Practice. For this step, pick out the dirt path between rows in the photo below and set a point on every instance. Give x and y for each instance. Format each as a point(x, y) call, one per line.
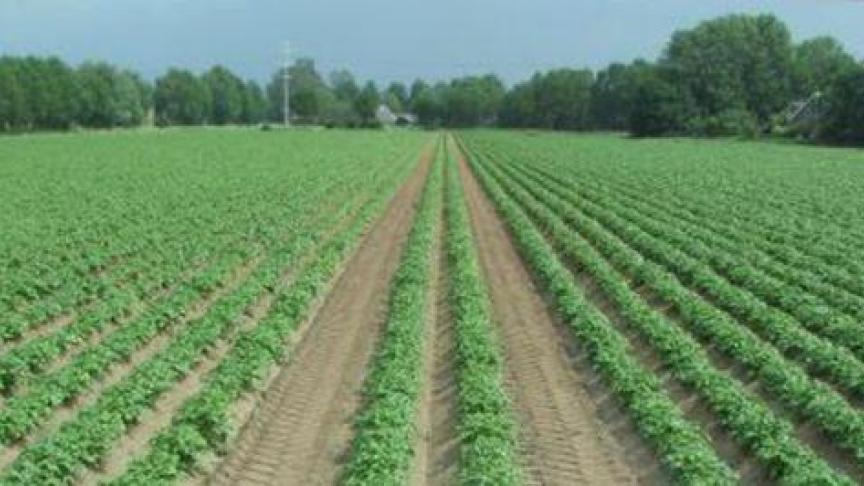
point(437, 453)
point(562, 438)
point(303, 427)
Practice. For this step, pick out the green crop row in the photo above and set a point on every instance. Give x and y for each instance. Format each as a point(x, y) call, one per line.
point(383, 446)
point(147, 259)
point(750, 422)
point(836, 364)
point(90, 435)
point(203, 424)
point(81, 212)
point(768, 193)
point(35, 354)
point(811, 312)
point(782, 261)
point(24, 413)
point(487, 434)
point(809, 399)
point(681, 446)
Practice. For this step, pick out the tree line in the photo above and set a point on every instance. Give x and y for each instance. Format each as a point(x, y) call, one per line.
point(733, 75)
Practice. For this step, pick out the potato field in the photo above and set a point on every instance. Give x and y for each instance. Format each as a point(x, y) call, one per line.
point(244, 307)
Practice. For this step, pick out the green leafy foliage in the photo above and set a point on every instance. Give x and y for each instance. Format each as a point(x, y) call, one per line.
point(485, 425)
point(383, 447)
point(732, 257)
point(246, 260)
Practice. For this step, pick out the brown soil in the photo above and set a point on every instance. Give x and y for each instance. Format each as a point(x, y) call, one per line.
point(303, 427)
point(563, 438)
point(437, 449)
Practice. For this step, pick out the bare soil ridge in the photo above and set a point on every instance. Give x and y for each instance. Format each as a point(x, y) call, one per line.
point(437, 451)
point(303, 425)
point(563, 439)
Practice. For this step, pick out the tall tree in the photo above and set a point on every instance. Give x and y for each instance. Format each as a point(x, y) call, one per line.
point(844, 121)
point(736, 62)
point(397, 94)
point(50, 90)
point(367, 101)
point(427, 102)
point(108, 97)
point(819, 63)
point(344, 85)
point(226, 95)
point(473, 101)
point(254, 103)
point(563, 99)
point(613, 95)
point(661, 107)
point(417, 88)
point(308, 92)
point(13, 99)
point(181, 98)
point(559, 99)
point(130, 100)
point(519, 107)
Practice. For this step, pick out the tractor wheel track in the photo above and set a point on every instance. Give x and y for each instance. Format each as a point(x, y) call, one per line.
point(563, 440)
point(303, 426)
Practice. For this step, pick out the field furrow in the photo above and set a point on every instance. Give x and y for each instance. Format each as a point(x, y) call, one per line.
point(563, 439)
point(302, 429)
point(391, 307)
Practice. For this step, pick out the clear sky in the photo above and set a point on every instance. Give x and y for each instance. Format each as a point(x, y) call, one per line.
point(387, 39)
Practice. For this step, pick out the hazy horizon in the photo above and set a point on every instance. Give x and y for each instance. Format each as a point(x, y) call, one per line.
point(386, 40)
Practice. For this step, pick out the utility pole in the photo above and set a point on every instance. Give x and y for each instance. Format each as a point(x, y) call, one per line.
point(286, 107)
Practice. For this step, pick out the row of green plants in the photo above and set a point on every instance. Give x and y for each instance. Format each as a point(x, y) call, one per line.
point(83, 212)
point(783, 199)
point(21, 362)
point(807, 398)
point(817, 225)
point(681, 446)
point(836, 364)
point(175, 243)
point(782, 260)
point(810, 311)
point(22, 288)
point(839, 289)
point(34, 355)
point(87, 438)
point(797, 232)
point(750, 422)
point(203, 425)
point(77, 282)
point(383, 449)
point(485, 425)
point(26, 412)
point(77, 294)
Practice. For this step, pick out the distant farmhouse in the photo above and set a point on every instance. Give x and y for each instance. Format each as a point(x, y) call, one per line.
point(386, 116)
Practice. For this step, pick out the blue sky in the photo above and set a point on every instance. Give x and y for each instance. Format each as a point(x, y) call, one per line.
point(386, 39)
